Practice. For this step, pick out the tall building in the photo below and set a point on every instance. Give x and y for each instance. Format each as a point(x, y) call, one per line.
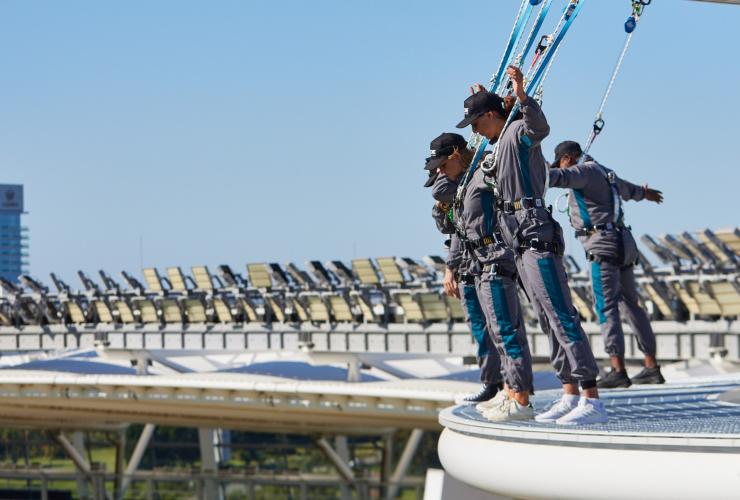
point(13, 236)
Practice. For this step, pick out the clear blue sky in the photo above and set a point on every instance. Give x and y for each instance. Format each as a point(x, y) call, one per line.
point(234, 131)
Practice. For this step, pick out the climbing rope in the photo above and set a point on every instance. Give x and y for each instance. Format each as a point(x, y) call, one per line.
point(569, 15)
point(629, 27)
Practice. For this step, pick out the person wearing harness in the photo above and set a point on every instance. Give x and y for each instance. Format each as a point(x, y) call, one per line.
point(489, 360)
point(529, 229)
point(595, 209)
point(490, 274)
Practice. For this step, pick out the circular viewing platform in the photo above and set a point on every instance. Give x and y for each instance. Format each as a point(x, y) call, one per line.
point(672, 441)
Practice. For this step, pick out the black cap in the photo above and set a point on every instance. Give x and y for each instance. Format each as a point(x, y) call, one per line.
point(480, 103)
point(442, 147)
point(433, 174)
point(570, 148)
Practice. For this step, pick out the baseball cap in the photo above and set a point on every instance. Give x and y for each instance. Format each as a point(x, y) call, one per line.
point(479, 104)
point(433, 174)
point(570, 148)
point(442, 147)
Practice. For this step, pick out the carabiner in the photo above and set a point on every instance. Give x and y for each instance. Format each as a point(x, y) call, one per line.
point(598, 126)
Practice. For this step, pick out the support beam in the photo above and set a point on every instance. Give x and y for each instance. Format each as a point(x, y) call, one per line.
point(120, 446)
point(407, 456)
point(387, 469)
point(73, 454)
point(342, 467)
point(137, 455)
point(209, 462)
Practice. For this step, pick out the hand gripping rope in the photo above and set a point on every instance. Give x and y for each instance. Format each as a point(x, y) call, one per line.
point(629, 27)
point(525, 10)
point(476, 141)
point(542, 69)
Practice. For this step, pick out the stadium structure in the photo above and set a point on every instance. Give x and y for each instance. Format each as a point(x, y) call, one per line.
point(373, 348)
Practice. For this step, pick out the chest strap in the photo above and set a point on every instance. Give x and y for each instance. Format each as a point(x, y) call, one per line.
point(490, 239)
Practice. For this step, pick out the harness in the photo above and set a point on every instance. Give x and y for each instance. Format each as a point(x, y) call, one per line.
point(542, 246)
point(521, 204)
point(596, 228)
point(617, 217)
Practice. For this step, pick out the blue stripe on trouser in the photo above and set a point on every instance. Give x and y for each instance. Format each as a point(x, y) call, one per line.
point(477, 320)
point(598, 291)
point(506, 328)
point(555, 292)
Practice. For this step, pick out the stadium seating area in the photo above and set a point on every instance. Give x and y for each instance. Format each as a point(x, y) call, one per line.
point(697, 278)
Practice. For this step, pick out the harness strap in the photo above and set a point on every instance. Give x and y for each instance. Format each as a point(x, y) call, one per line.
point(601, 259)
point(490, 239)
point(542, 246)
point(521, 204)
point(499, 271)
point(608, 226)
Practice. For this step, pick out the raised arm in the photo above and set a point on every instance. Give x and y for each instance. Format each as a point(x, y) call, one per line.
point(535, 126)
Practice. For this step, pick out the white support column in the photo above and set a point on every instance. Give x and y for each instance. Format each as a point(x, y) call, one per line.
point(407, 457)
point(209, 462)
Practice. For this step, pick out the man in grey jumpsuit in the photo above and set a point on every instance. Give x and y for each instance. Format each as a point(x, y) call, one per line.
point(595, 209)
point(489, 359)
point(495, 282)
point(528, 228)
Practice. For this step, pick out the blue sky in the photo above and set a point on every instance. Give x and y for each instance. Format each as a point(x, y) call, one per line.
point(234, 131)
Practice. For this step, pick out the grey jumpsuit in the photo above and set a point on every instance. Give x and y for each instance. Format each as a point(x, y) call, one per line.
point(595, 208)
point(537, 238)
point(489, 359)
point(495, 281)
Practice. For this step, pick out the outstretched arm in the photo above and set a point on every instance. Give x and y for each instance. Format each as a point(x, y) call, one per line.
point(575, 177)
point(653, 195)
point(629, 191)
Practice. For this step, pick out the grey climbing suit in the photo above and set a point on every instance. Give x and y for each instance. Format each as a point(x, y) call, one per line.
point(595, 209)
point(489, 359)
point(495, 280)
point(528, 227)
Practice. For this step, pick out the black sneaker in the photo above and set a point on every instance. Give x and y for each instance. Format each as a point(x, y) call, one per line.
point(486, 392)
point(649, 376)
point(613, 379)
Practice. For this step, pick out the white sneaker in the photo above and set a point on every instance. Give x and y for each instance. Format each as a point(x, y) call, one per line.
point(588, 411)
point(510, 409)
point(497, 400)
point(559, 408)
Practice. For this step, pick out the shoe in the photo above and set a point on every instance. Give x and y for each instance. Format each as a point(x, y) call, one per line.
point(486, 392)
point(497, 400)
point(509, 410)
point(614, 379)
point(649, 376)
point(559, 408)
point(588, 411)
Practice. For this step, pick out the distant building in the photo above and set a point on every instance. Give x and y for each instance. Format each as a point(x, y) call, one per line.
point(13, 236)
